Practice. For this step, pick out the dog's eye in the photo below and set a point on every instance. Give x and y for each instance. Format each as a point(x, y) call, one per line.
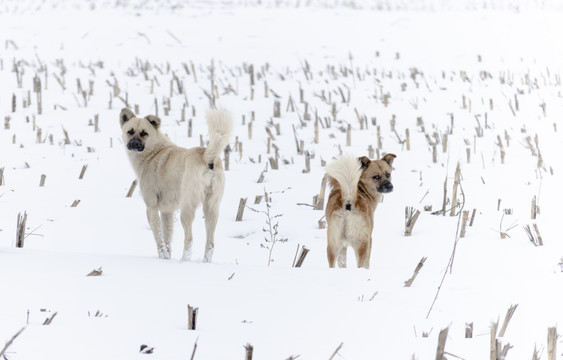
point(131, 132)
point(144, 133)
point(377, 177)
point(387, 175)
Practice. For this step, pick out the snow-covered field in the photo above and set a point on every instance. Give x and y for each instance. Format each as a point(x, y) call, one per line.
point(478, 85)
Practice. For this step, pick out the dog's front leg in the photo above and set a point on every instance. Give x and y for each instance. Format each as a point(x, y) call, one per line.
point(167, 230)
point(154, 222)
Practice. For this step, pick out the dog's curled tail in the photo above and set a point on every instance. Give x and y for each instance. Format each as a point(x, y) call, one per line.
point(220, 125)
point(347, 172)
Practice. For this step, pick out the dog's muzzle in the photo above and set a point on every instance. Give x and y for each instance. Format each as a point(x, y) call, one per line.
point(135, 145)
point(386, 187)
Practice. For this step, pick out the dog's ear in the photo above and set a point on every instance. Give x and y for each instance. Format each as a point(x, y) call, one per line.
point(389, 158)
point(125, 115)
point(365, 161)
point(155, 121)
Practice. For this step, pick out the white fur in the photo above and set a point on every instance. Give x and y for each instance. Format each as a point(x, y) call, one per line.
point(347, 228)
point(220, 125)
point(347, 171)
point(171, 178)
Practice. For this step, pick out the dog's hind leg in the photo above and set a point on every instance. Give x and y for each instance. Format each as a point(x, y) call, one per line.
point(167, 230)
point(362, 254)
point(336, 254)
point(187, 218)
point(331, 255)
point(334, 241)
point(211, 213)
point(154, 222)
point(342, 257)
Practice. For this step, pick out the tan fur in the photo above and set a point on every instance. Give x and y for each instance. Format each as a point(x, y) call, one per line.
point(171, 178)
point(354, 227)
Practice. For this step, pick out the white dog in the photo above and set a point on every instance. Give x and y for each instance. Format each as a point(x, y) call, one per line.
point(172, 177)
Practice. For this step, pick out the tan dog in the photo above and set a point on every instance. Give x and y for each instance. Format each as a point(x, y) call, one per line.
point(357, 185)
point(172, 177)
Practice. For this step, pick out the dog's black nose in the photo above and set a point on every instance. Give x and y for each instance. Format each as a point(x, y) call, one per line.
point(136, 145)
point(386, 187)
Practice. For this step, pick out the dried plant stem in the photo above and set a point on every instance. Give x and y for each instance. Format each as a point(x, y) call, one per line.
point(20, 234)
point(67, 139)
point(452, 256)
point(504, 351)
point(440, 351)
point(465, 217)
point(507, 318)
point(552, 343)
point(454, 191)
point(409, 282)
point(535, 237)
point(49, 320)
point(274, 163)
point(226, 153)
point(410, 219)
point(469, 330)
point(95, 272)
point(270, 134)
point(295, 257)
point(82, 172)
point(472, 217)
point(321, 199)
point(273, 230)
point(248, 353)
point(501, 148)
point(540, 240)
point(241, 207)
point(336, 351)
point(192, 317)
point(193, 351)
point(9, 342)
point(445, 198)
point(299, 150)
point(260, 178)
point(307, 163)
point(535, 355)
point(131, 188)
point(301, 257)
point(493, 347)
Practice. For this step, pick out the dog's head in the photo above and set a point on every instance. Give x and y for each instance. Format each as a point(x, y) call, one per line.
point(138, 133)
point(376, 174)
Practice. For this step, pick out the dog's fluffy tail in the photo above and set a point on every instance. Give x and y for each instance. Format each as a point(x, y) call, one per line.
point(347, 172)
point(220, 125)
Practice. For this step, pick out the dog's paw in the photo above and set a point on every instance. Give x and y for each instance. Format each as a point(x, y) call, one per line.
point(208, 256)
point(164, 253)
point(187, 256)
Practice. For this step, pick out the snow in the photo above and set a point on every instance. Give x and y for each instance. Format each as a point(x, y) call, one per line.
point(452, 53)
